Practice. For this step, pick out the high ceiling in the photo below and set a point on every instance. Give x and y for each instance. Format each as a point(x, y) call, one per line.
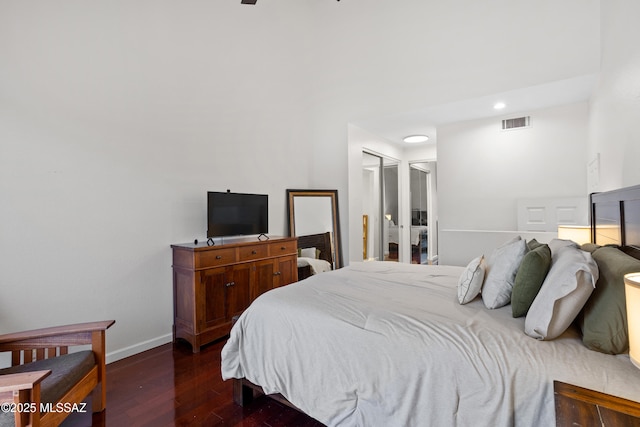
point(425, 121)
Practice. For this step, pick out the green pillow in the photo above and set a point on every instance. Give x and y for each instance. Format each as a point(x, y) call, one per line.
point(531, 274)
point(532, 244)
point(590, 247)
point(604, 316)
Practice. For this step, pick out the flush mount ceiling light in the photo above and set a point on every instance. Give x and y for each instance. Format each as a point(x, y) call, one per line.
point(499, 105)
point(414, 139)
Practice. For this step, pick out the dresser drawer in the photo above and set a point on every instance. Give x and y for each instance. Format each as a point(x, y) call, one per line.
point(248, 253)
point(215, 257)
point(283, 248)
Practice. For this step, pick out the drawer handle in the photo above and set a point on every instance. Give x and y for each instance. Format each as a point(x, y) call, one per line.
point(283, 248)
point(218, 256)
point(230, 284)
point(253, 252)
point(277, 273)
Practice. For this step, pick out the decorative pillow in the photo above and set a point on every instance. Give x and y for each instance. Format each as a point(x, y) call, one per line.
point(590, 247)
point(565, 290)
point(501, 273)
point(532, 244)
point(604, 317)
point(307, 252)
point(470, 281)
point(556, 244)
point(531, 274)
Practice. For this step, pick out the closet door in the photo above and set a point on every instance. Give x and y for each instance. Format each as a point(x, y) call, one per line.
point(372, 206)
point(393, 227)
point(418, 244)
point(382, 237)
point(423, 199)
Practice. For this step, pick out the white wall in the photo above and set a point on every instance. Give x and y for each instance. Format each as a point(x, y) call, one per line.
point(461, 246)
point(614, 133)
point(116, 117)
point(483, 171)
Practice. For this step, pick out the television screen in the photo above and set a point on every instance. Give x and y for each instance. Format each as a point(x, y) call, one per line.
point(233, 214)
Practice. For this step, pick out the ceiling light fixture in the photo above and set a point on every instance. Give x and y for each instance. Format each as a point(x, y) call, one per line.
point(499, 105)
point(414, 139)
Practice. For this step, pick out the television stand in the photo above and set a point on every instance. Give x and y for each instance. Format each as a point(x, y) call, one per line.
point(212, 284)
point(261, 235)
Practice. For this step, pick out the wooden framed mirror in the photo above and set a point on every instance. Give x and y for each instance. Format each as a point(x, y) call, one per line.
point(314, 212)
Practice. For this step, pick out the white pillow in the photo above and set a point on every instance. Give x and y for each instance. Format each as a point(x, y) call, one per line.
point(308, 253)
point(557, 244)
point(471, 279)
point(501, 273)
point(564, 292)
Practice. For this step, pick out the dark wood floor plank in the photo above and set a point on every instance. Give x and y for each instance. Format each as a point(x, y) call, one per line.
point(170, 386)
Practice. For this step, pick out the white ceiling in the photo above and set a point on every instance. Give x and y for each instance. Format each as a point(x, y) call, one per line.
point(425, 121)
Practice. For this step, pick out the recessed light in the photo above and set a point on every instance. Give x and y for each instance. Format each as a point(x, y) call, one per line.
point(499, 105)
point(414, 139)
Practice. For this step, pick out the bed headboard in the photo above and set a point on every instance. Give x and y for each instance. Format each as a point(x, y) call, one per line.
point(615, 219)
point(319, 241)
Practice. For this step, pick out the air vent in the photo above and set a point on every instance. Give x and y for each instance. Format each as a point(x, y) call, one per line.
point(517, 123)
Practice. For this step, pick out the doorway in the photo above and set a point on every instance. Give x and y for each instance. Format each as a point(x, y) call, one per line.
point(380, 208)
point(423, 234)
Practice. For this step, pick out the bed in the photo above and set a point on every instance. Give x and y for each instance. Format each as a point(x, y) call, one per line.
point(383, 343)
point(314, 254)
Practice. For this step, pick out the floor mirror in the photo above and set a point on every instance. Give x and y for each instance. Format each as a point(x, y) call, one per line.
point(314, 212)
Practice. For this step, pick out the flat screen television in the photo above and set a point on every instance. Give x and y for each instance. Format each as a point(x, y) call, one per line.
point(235, 214)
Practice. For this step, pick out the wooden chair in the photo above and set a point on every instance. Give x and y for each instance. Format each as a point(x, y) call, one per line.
point(48, 380)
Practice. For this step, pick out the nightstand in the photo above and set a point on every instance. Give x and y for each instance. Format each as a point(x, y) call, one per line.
point(577, 406)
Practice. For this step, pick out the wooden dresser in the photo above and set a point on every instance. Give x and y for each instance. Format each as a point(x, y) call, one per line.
point(211, 284)
point(577, 406)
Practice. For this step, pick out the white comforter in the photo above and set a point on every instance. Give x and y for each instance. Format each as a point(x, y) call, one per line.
point(387, 344)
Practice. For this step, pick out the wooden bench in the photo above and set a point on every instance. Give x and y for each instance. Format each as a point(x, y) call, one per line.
point(45, 380)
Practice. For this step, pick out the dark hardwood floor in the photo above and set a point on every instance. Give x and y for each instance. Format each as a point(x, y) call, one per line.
point(171, 386)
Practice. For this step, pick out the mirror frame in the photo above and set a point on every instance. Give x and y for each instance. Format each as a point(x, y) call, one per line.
point(333, 195)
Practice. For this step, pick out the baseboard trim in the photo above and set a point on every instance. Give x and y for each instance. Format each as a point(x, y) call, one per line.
point(138, 348)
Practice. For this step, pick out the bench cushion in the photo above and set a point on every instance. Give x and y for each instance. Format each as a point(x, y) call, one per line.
point(66, 371)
